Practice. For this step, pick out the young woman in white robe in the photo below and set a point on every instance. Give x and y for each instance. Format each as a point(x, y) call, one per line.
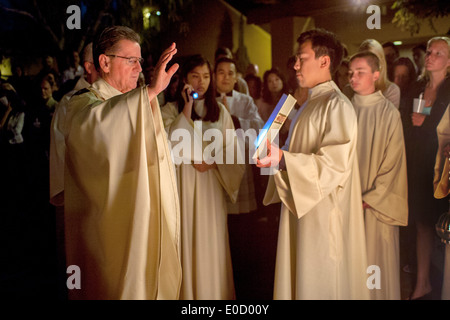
point(204, 182)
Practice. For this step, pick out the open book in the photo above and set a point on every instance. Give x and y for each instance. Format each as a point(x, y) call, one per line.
point(274, 124)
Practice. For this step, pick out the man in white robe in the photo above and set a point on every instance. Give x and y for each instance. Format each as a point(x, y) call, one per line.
point(122, 213)
point(382, 167)
point(321, 250)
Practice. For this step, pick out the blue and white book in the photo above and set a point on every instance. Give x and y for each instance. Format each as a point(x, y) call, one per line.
point(271, 128)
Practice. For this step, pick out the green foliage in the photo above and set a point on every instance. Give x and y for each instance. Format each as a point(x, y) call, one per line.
point(410, 14)
point(50, 16)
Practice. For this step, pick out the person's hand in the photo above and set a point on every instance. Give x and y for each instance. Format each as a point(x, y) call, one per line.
point(203, 167)
point(225, 102)
point(273, 158)
point(417, 119)
point(161, 78)
point(186, 94)
point(188, 100)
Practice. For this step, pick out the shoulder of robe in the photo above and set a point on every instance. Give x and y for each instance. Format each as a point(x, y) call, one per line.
point(82, 91)
point(91, 91)
point(339, 100)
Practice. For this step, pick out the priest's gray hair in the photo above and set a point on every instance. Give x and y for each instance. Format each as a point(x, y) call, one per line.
point(107, 41)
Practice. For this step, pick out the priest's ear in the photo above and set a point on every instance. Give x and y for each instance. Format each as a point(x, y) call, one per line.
point(105, 63)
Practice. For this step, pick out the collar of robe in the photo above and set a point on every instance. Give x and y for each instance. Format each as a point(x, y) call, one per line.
point(228, 94)
point(323, 88)
point(367, 100)
point(107, 90)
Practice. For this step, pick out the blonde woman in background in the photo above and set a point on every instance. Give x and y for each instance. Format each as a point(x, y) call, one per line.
point(422, 146)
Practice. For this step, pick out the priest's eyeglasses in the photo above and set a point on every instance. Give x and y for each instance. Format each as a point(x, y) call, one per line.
point(130, 60)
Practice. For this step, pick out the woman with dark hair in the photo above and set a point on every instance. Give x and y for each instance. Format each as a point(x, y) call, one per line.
point(254, 86)
point(196, 76)
point(274, 85)
point(405, 76)
point(404, 73)
point(204, 181)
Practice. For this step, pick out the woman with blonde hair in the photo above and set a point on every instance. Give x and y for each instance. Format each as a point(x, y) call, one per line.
point(422, 145)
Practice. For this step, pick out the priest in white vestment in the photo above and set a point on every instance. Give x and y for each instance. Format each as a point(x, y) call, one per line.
point(382, 167)
point(321, 251)
point(121, 205)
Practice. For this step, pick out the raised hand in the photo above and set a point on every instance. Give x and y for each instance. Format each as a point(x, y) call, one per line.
point(188, 100)
point(162, 77)
point(417, 119)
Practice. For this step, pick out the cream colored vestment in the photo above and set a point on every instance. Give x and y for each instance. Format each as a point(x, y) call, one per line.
point(58, 145)
point(206, 259)
point(121, 207)
point(384, 186)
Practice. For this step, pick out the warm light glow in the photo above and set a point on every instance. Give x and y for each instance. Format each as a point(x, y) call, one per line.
point(5, 68)
point(150, 17)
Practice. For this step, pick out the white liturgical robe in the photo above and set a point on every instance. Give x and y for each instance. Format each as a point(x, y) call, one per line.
point(122, 213)
point(58, 145)
point(206, 257)
point(382, 167)
point(321, 251)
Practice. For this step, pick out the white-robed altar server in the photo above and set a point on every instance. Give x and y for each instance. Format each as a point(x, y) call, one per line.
point(382, 167)
point(321, 252)
point(122, 218)
point(205, 180)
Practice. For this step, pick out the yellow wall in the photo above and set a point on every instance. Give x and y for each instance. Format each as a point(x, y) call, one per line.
point(5, 68)
point(257, 41)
